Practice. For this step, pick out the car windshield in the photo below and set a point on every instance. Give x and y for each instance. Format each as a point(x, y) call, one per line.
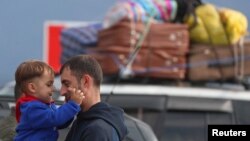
point(8, 89)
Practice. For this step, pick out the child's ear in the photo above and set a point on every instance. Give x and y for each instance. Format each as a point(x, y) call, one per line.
point(31, 87)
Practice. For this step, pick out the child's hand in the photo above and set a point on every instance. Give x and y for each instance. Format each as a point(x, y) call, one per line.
point(76, 95)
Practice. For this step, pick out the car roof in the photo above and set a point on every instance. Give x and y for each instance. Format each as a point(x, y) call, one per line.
point(155, 90)
point(160, 97)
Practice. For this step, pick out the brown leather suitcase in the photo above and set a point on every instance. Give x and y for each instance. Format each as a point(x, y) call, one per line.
point(155, 63)
point(161, 35)
point(212, 63)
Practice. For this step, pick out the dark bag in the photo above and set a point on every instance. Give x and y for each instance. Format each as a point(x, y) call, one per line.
point(185, 8)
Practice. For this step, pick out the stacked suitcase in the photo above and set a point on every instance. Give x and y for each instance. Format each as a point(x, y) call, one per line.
point(219, 63)
point(165, 52)
point(161, 55)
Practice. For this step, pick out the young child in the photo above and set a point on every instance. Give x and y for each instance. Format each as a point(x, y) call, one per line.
point(37, 116)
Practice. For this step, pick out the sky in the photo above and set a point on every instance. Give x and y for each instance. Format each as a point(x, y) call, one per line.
point(22, 22)
point(21, 27)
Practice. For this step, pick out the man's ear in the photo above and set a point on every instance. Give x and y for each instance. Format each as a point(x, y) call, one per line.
point(31, 87)
point(86, 81)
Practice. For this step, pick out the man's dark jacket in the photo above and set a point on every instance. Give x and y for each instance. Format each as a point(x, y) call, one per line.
point(102, 122)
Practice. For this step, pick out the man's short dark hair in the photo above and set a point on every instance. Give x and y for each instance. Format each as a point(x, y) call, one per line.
point(84, 64)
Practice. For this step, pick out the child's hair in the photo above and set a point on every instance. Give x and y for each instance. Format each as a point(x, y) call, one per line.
point(28, 70)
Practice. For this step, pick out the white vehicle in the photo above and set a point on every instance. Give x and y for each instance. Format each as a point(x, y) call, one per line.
point(174, 113)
